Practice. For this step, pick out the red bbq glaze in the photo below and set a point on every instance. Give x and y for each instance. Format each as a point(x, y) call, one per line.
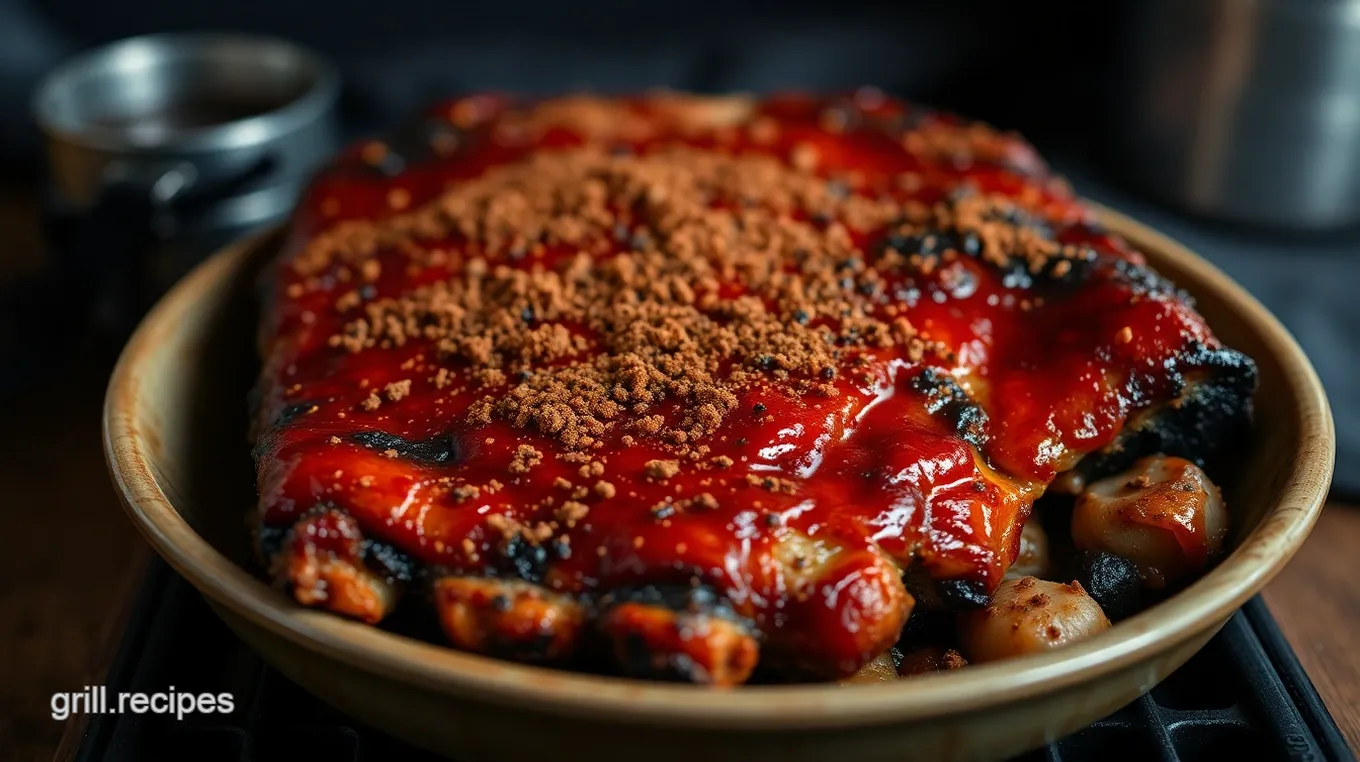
point(1058, 365)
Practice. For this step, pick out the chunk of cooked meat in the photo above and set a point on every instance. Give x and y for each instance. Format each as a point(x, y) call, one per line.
point(1029, 615)
point(861, 585)
point(882, 669)
point(322, 563)
point(1163, 514)
point(815, 355)
point(1032, 560)
point(699, 642)
point(508, 618)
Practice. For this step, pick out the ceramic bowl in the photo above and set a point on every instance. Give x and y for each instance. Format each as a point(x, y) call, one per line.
point(175, 437)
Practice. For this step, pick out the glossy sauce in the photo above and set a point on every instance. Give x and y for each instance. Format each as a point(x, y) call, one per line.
point(1058, 366)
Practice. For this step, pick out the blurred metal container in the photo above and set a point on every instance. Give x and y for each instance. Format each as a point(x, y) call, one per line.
point(1244, 109)
point(160, 150)
point(242, 119)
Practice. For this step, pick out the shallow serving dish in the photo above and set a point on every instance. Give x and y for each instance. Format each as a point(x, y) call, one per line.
point(175, 437)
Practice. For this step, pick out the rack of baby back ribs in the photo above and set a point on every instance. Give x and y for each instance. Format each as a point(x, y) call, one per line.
point(860, 388)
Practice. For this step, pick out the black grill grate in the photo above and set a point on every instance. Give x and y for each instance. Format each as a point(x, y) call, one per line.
point(1243, 697)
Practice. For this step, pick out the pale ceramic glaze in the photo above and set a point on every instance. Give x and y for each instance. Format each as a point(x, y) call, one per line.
point(175, 438)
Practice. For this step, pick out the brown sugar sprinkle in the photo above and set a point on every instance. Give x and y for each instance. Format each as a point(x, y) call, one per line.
point(582, 114)
point(370, 269)
point(526, 457)
point(624, 313)
point(772, 483)
point(943, 140)
point(1139, 482)
point(348, 301)
point(488, 377)
point(571, 512)
point(397, 389)
point(805, 157)
point(605, 489)
point(1003, 231)
point(509, 529)
point(707, 501)
point(764, 130)
point(1125, 335)
point(662, 469)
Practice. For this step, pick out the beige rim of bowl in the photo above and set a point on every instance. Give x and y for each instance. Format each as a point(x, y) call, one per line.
point(1201, 606)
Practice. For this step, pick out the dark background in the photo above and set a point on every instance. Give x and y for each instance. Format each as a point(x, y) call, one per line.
point(1006, 61)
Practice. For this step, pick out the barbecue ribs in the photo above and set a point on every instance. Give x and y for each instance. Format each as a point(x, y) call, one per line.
point(680, 387)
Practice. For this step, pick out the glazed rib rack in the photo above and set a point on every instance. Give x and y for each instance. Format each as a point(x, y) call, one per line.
point(590, 376)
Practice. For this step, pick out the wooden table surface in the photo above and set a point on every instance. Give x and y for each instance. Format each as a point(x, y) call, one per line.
point(65, 576)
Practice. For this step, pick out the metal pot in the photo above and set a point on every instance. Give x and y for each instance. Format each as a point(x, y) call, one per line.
point(244, 119)
point(1244, 109)
point(161, 148)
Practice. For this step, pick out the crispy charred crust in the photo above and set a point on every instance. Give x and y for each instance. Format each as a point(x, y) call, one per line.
point(441, 449)
point(928, 627)
point(695, 600)
point(269, 541)
point(508, 618)
point(322, 562)
point(945, 398)
point(933, 243)
point(526, 560)
point(958, 594)
point(1018, 272)
point(946, 594)
point(393, 564)
point(658, 642)
point(1147, 281)
point(1212, 410)
point(1054, 273)
point(292, 412)
point(385, 560)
